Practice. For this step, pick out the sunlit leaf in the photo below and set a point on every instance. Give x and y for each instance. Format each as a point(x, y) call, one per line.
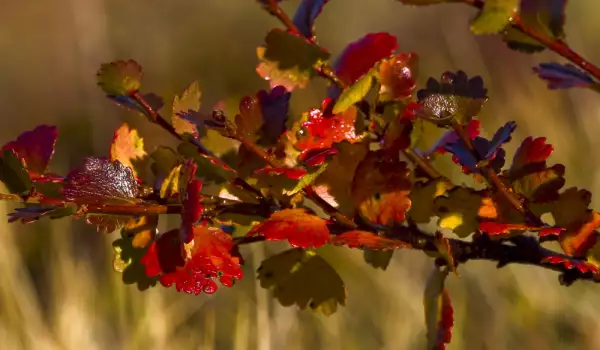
point(127, 145)
point(120, 78)
point(365, 239)
point(35, 149)
point(381, 188)
point(209, 168)
point(581, 265)
point(209, 257)
point(303, 278)
point(354, 93)
point(297, 226)
point(503, 230)
point(422, 198)
point(188, 101)
point(142, 230)
point(494, 16)
point(458, 210)
point(288, 59)
point(439, 314)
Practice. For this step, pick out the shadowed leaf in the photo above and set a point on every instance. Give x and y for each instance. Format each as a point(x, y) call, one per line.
point(120, 78)
point(35, 149)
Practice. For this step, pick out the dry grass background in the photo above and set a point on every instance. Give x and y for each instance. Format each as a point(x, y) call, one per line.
point(57, 289)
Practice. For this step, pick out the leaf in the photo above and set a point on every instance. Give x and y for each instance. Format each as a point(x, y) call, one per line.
point(503, 230)
point(35, 149)
point(582, 266)
point(335, 180)
point(290, 173)
point(439, 314)
point(305, 16)
point(354, 93)
point(494, 16)
point(274, 107)
point(379, 259)
point(546, 17)
point(120, 78)
point(398, 77)
point(303, 278)
point(451, 136)
point(365, 239)
point(488, 150)
point(320, 128)
point(209, 258)
point(316, 157)
point(458, 210)
point(422, 198)
point(188, 101)
point(307, 180)
point(127, 145)
point(192, 209)
point(165, 159)
point(127, 260)
point(101, 180)
point(154, 101)
point(571, 212)
point(562, 76)
point(529, 174)
point(13, 173)
point(445, 250)
point(381, 188)
point(426, 2)
point(288, 59)
point(455, 96)
point(360, 56)
point(142, 229)
point(397, 136)
point(297, 226)
point(32, 213)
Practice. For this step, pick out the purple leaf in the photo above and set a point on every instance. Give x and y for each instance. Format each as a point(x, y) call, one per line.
point(274, 106)
point(306, 14)
point(562, 76)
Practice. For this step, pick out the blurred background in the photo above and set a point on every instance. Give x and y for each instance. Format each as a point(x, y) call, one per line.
point(57, 286)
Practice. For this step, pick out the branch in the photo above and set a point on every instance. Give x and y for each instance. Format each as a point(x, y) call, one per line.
point(162, 122)
point(557, 46)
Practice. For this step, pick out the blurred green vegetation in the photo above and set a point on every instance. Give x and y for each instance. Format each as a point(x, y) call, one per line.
point(58, 290)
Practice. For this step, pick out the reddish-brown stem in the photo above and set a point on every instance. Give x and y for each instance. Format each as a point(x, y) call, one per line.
point(130, 210)
point(557, 46)
point(277, 11)
point(496, 181)
point(421, 163)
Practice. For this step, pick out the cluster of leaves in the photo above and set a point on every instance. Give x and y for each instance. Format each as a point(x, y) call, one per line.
point(346, 173)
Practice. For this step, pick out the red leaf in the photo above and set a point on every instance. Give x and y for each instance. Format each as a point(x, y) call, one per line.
point(365, 239)
point(290, 173)
point(360, 56)
point(299, 227)
point(497, 229)
point(531, 151)
point(582, 266)
point(323, 129)
point(439, 314)
point(101, 179)
point(316, 157)
point(35, 148)
point(209, 258)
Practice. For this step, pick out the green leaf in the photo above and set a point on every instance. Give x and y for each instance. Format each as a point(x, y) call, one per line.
point(307, 180)
point(120, 78)
point(379, 259)
point(303, 278)
point(354, 93)
point(494, 16)
point(439, 315)
point(188, 101)
point(165, 159)
point(289, 59)
point(546, 17)
point(13, 173)
point(127, 260)
point(458, 210)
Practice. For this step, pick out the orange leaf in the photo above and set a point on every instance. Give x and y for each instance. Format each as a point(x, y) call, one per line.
point(210, 257)
point(365, 239)
point(495, 229)
point(298, 226)
point(126, 146)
